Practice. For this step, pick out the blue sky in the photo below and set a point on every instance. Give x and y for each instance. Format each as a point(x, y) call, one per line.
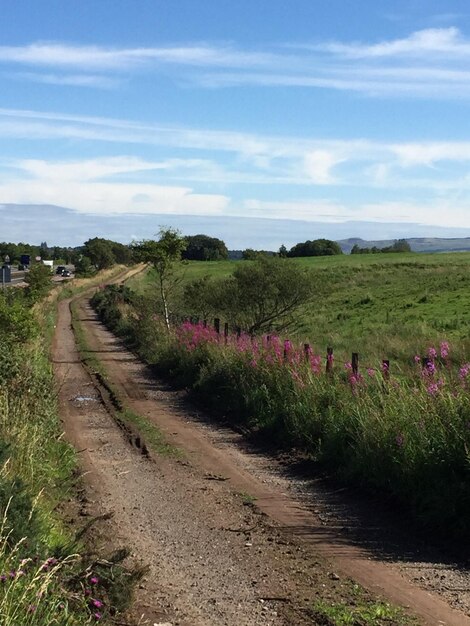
point(323, 111)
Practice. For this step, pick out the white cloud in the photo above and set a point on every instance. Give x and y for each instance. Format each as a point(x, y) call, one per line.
point(321, 210)
point(435, 213)
point(71, 80)
point(431, 63)
point(318, 166)
point(113, 198)
point(228, 157)
point(429, 153)
point(98, 58)
point(448, 41)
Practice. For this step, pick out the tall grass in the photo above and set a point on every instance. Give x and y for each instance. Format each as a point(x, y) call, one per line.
point(44, 577)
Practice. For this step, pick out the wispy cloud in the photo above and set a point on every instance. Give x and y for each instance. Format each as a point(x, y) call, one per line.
point(231, 156)
point(99, 58)
point(71, 80)
point(431, 63)
point(431, 41)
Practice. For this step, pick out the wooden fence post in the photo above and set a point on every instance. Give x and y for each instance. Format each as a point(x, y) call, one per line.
point(217, 325)
point(386, 369)
point(329, 360)
point(226, 331)
point(355, 363)
point(204, 323)
point(307, 351)
point(286, 348)
point(239, 332)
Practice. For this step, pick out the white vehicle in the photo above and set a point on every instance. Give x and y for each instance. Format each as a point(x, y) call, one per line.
point(50, 265)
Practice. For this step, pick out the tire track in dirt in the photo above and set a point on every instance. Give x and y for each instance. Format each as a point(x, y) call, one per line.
point(213, 561)
point(150, 398)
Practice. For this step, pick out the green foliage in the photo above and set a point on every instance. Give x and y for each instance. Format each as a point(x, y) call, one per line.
point(99, 252)
point(15, 250)
point(84, 267)
point(258, 297)
point(400, 245)
point(402, 439)
point(17, 323)
point(363, 613)
point(252, 255)
point(204, 248)
point(39, 282)
point(317, 247)
point(164, 255)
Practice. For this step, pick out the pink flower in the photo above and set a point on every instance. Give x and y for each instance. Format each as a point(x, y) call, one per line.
point(432, 353)
point(444, 349)
point(371, 371)
point(417, 358)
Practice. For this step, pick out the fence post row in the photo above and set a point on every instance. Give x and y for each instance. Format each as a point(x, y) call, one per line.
point(307, 351)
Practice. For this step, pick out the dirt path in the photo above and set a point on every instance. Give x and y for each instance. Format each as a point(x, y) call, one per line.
point(213, 560)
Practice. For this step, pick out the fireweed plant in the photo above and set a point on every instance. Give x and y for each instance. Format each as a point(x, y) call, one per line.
point(404, 434)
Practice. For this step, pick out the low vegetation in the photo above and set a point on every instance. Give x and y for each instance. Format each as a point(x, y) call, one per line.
point(401, 430)
point(46, 576)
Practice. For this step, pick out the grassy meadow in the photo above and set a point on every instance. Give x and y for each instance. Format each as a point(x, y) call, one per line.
point(381, 306)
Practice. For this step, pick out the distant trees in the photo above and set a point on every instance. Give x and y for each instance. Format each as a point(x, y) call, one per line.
point(104, 253)
point(251, 255)
point(317, 247)
point(204, 248)
point(399, 245)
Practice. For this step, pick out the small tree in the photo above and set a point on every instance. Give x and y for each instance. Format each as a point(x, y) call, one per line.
point(164, 255)
point(261, 296)
point(39, 282)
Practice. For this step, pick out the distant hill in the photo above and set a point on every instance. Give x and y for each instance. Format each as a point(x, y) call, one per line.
point(418, 244)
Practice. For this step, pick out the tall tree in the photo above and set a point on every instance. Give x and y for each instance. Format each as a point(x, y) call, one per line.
point(164, 254)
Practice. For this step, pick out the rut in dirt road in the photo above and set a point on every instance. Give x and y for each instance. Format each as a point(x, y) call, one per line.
point(212, 560)
point(202, 571)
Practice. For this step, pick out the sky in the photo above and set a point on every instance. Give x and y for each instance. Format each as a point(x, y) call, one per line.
point(320, 111)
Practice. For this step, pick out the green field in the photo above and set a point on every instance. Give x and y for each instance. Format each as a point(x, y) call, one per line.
point(382, 306)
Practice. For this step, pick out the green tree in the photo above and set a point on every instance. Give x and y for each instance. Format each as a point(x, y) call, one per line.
point(84, 267)
point(39, 282)
point(317, 247)
point(164, 255)
point(204, 248)
point(100, 252)
point(261, 296)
